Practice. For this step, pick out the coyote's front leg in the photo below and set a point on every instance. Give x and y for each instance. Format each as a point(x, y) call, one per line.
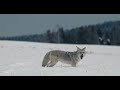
point(73, 64)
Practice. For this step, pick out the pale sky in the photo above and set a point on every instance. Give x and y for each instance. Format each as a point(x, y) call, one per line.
point(19, 24)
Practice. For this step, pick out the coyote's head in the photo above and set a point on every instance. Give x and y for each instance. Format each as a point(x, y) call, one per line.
point(81, 52)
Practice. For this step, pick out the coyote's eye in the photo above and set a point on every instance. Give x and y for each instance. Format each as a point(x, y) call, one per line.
point(81, 52)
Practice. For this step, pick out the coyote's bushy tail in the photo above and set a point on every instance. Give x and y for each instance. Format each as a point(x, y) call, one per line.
point(45, 60)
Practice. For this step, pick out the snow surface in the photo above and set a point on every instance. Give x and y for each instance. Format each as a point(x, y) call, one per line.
point(25, 59)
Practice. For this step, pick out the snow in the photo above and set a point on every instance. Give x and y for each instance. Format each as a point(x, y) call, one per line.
point(25, 59)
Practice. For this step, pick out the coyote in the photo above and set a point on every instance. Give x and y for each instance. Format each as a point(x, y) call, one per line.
point(72, 58)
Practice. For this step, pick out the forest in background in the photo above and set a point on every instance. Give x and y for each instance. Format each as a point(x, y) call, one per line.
point(106, 33)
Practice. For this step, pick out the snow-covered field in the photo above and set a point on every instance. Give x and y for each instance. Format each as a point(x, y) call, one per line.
point(25, 59)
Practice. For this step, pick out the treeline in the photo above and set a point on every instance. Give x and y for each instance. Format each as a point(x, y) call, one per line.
point(107, 33)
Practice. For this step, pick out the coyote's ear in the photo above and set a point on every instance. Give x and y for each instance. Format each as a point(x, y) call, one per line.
point(84, 48)
point(78, 48)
